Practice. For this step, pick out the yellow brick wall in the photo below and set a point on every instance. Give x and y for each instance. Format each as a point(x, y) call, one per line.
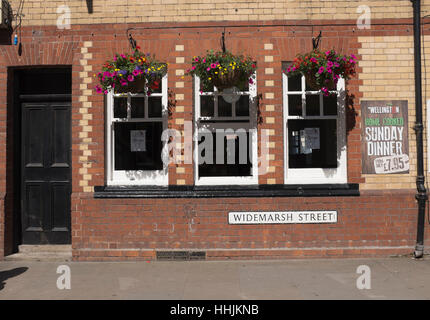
point(44, 12)
point(388, 74)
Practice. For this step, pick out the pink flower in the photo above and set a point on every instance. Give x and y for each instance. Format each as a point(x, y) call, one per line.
point(329, 64)
point(123, 56)
point(123, 83)
point(208, 69)
point(130, 78)
point(329, 70)
point(204, 60)
point(294, 68)
point(289, 69)
point(193, 68)
point(325, 91)
point(314, 60)
point(336, 64)
point(327, 53)
point(135, 72)
point(321, 70)
point(213, 65)
point(99, 89)
point(353, 57)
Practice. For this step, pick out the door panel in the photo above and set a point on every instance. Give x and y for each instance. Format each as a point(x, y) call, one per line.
point(34, 119)
point(60, 136)
point(46, 172)
point(34, 205)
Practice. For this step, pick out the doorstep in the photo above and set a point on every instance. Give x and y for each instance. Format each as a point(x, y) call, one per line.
point(43, 253)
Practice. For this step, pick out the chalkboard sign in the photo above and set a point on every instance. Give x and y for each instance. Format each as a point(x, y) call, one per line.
point(385, 144)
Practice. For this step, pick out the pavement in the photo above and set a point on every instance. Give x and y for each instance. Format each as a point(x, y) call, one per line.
point(310, 279)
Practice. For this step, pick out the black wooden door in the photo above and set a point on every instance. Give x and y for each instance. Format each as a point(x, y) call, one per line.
point(46, 172)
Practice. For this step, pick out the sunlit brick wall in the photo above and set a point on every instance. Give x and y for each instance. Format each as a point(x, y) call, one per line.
point(40, 12)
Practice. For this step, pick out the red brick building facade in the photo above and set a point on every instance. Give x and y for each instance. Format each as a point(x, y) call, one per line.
point(374, 217)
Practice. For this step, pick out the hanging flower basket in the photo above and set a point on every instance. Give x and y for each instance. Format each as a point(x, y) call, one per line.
point(223, 70)
point(131, 73)
point(322, 70)
point(136, 86)
point(312, 83)
point(226, 80)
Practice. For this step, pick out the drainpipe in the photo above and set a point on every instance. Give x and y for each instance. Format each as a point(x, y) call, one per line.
point(421, 195)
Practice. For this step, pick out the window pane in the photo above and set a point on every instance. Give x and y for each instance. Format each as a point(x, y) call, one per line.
point(120, 107)
point(308, 88)
point(242, 106)
point(206, 88)
point(224, 108)
point(138, 146)
point(154, 107)
point(234, 159)
point(207, 106)
point(294, 105)
point(312, 105)
point(138, 107)
point(295, 83)
point(330, 105)
point(312, 143)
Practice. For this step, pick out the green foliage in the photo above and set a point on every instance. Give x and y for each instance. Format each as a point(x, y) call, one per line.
point(127, 69)
point(222, 67)
point(323, 69)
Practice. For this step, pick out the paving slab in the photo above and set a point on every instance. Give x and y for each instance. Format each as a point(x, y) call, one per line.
point(334, 279)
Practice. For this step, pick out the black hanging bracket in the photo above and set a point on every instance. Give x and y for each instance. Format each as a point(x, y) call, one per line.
point(223, 41)
point(316, 41)
point(131, 39)
point(90, 6)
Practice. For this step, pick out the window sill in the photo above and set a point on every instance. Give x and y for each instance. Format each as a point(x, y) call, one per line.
point(263, 191)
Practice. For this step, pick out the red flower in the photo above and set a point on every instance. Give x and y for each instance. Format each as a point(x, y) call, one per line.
point(155, 85)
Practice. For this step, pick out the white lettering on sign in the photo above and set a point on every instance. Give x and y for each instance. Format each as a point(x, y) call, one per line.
point(384, 141)
point(282, 217)
point(392, 164)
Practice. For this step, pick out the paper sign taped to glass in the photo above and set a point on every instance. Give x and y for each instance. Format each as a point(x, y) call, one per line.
point(138, 140)
point(309, 139)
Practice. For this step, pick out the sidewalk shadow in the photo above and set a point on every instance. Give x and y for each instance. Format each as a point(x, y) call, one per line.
point(4, 275)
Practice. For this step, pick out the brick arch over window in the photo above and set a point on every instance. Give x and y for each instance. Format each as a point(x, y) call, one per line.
point(58, 53)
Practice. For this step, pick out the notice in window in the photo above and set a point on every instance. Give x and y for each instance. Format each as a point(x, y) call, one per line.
point(138, 140)
point(309, 140)
point(385, 144)
point(313, 137)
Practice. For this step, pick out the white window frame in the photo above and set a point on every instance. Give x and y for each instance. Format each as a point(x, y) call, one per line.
point(135, 177)
point(316, 175)
point(251, 126)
